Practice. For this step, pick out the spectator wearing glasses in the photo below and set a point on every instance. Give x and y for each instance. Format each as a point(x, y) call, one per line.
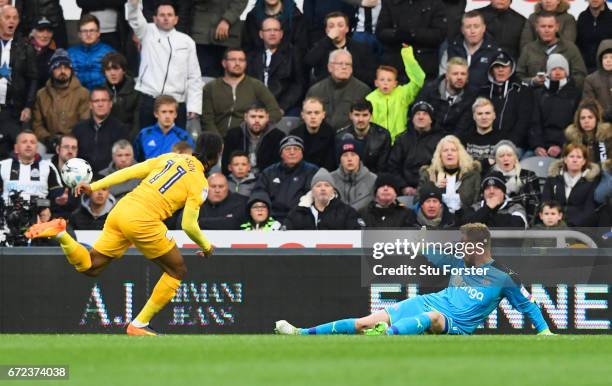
point(87, 56)
point(258, 214)
point(227, 99)
point(66, 149)
point(340, 89)
point(111, 14)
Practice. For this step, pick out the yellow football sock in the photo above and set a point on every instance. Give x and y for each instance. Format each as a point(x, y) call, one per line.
point(162, 293)
point(76, 254)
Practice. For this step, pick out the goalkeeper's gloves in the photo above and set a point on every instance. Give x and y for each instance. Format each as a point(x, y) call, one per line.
point(546, 332)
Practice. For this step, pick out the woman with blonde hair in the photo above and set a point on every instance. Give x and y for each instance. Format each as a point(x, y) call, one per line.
point(522, 185)
point(455, 172)
point(567, 22)
point(571, 182)
point(590, 130)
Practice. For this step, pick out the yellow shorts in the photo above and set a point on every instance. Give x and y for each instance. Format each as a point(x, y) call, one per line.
point(124, 227)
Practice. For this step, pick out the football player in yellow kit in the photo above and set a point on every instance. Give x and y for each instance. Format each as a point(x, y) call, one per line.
point(169, 182)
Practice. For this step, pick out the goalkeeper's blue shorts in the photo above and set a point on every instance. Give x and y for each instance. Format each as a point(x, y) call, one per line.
point(415, 306)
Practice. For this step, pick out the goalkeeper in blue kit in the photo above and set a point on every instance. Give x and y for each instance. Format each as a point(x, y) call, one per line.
point(457, 310)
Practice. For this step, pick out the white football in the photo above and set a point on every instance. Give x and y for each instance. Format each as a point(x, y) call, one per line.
point(75, 171)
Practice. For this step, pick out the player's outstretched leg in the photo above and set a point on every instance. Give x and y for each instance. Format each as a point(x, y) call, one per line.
point(174, 270)
point(76, 254)
point(415, 325)
point(343, 326)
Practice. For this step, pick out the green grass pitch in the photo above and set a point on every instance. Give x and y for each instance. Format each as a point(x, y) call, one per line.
point(315, 360)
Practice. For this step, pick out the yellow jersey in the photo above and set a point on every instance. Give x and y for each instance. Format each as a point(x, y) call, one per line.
point(169, 182)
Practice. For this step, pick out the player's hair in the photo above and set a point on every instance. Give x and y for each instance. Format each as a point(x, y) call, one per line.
point(164, 100)
point(182, 147)
point(552, 205)
point(101, 89)
point(361, 105)
point(477, 233)
point(161, 3)
point(89, 18)
point(339, 51)
point(335, 14)
point(481, 101)
point(544, 14)
point(385, 67)
point(472, 14)
point(314, 99)
point(121, 144)
point(114, 60)
point(208, 149)
point(232, 49)
point(466, 162)
point(238, 153)
point(593, 106)
point(570, 147)
point(456, 61)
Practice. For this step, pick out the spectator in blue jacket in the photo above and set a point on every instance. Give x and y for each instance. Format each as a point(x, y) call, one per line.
point(87, 56)
point(158, 139)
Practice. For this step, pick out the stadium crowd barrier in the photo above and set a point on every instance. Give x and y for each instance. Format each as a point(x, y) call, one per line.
point(246, 290)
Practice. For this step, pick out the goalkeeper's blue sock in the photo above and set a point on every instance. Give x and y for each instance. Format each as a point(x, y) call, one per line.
point(413, 325)
point(344, 326)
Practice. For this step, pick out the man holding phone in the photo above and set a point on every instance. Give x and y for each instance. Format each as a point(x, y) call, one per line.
point(532, 62)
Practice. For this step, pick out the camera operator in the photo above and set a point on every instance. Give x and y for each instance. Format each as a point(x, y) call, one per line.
point(25, 172)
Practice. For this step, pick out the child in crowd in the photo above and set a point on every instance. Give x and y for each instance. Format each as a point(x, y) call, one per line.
point(551, 215)
point(258, 214)
point(241, 180)
point(391, 101)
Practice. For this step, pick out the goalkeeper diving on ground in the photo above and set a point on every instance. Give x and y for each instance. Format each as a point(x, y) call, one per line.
point(169, 182)
point(457, 310)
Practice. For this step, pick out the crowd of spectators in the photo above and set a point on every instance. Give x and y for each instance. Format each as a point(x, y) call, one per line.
point(411, 113)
